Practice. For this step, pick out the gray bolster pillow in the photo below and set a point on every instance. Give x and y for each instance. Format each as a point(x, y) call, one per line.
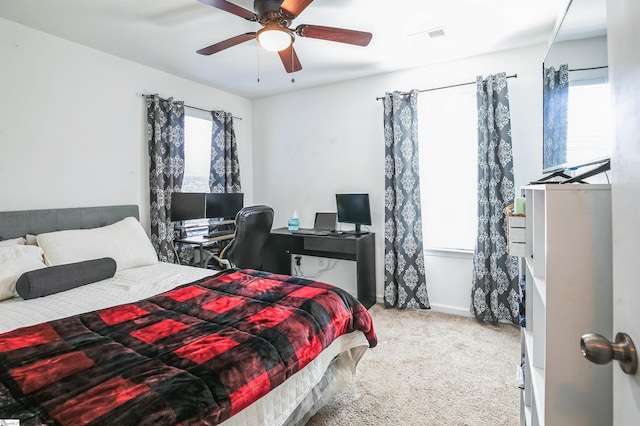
point(54, 279)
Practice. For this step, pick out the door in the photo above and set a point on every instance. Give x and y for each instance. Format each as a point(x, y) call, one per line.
point(623, 33)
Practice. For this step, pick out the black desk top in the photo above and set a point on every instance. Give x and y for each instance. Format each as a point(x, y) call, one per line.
point(340, 234)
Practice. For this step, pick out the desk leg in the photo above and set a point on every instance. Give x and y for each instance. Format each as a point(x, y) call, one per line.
point(366, 270)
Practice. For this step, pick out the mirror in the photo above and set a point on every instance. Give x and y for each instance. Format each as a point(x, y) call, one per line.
point(577, 119)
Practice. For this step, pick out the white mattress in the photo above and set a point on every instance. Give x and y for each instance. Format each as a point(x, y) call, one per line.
point(138, 283)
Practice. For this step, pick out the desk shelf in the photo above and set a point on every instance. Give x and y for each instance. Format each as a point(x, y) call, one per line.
point(282, 244)
point(202, 242)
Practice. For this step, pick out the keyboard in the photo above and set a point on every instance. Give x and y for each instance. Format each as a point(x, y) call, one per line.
point(220, 233)
point(311, 232)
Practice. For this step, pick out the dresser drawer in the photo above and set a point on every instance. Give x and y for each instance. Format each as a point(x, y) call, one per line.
point(517, 221)
point(517, 235)
point(516, 249)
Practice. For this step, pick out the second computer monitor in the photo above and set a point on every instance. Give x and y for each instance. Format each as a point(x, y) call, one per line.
point(224, 205)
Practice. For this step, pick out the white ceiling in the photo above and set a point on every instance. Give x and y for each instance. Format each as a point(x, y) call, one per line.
point(165, 34)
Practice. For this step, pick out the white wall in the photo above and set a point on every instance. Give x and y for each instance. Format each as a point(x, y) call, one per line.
point(72, 124)
point(72, 134)
point(312, 144)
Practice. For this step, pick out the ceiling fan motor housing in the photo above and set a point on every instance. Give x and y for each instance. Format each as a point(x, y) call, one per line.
point(263, 6)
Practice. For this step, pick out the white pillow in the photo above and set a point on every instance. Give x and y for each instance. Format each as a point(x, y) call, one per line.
point(12, 242)
point(125, 241)
point(14, 261)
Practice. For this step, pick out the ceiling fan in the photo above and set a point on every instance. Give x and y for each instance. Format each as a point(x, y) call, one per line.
point(275, 16)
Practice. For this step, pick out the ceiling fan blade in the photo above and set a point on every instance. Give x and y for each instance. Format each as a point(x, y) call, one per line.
point(231, 8)
point(293, 8)
point(341, 35)
point(290, 59)
point(230, 42)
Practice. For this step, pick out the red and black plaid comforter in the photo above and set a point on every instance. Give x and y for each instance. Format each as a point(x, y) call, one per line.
point(197, 354)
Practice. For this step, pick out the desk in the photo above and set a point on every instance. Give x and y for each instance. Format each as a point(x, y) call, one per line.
point(202, 241)
point(276, 255)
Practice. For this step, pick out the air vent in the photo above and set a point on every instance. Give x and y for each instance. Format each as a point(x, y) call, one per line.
point(425, 35)
point(438, 32)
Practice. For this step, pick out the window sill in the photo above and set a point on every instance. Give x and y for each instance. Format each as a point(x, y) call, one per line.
point(445, 252)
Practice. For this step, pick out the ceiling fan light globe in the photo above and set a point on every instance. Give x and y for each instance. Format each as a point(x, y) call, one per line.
point(274, 39)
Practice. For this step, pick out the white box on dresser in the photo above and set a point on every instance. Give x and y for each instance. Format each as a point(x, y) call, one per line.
point(568, 270)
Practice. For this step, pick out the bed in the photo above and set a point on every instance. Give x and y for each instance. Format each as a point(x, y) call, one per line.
point(125, 339)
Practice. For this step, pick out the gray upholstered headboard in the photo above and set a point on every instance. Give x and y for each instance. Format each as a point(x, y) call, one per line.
point(20, 223)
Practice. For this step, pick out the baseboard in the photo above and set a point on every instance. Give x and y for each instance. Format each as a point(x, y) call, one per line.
point(453, 310)
point(445, 309)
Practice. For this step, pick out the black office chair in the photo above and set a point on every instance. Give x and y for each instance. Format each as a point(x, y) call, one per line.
point(253, 226)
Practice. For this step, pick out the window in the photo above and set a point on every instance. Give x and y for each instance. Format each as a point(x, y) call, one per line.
point(197, 151)
point(447, 132)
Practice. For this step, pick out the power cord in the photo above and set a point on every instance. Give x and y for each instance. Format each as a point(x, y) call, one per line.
point(175, 253)
point(298, 272)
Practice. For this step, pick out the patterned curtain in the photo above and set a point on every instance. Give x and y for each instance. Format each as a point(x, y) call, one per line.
point(225, 168)
point(495, 274)
point(165, 136)
point(555, 100)
point(404, 277)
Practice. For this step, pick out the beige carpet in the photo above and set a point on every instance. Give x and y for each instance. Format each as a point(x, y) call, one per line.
point(431, 368)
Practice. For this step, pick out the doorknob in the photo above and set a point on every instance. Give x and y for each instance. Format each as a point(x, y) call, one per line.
point(599, 350)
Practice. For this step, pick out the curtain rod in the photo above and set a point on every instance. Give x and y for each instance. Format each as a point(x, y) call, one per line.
point(447, 87)
point(589, 69)
point(199, 109)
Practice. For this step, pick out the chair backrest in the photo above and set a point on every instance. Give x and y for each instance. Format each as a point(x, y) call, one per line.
point(253, 226)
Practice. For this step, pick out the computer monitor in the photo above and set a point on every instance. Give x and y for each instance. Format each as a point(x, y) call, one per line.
point(188, 205)
point(354, 208)
point(224, 205)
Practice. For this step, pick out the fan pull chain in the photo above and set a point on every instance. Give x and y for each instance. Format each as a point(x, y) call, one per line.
point(258, 57)
point(293, 69)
